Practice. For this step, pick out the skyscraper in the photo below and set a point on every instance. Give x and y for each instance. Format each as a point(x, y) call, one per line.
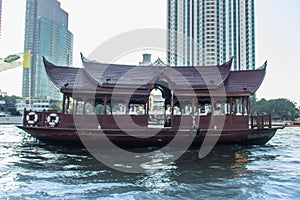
point(46, 34)
point(210, 32)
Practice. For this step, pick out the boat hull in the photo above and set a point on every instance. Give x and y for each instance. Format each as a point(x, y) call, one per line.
point(67, 136)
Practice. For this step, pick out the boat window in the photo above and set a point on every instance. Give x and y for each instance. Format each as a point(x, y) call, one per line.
point(99, 109)
point(89, 108)
point(202, 109)
point(176, 111)
point(220, 109)
point(119, 108)
point(79, 109)
point(186, 109)
point(137, 109)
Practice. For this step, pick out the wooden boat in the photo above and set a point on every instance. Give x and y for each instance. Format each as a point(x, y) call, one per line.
point(293, 124)
point(203, 103)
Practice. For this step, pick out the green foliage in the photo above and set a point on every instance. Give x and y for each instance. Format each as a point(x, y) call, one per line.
point(9, 106)
point(281, 109)
point(56, 105)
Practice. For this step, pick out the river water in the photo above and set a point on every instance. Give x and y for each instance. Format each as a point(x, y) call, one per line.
point(34, 170)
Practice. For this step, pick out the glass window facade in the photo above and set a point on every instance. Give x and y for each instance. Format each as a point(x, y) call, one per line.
point(210, 32)
point(46, 34)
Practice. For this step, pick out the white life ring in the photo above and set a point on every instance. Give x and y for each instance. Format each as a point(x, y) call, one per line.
point(53, 119)
point(32, 118)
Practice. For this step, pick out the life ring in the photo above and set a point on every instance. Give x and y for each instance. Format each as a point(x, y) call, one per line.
point(32, 118)
point(53, 119)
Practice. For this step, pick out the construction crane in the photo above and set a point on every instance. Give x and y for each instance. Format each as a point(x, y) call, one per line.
point(11, 61)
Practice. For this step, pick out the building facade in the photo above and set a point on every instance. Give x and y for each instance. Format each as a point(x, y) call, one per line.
point(210, 32)
point(46, 34)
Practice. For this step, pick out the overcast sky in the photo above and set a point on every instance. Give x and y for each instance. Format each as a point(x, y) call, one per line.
point(93, 22)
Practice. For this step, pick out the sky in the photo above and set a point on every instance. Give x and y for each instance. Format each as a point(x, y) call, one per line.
point(93, 22)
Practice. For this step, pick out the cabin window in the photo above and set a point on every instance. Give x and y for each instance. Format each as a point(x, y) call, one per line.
point(176, 110)
point(79, 107)
point(204, 109)
point(186, 109)
point(219, 109)
point(137, 109)
point(89, 108)
point(119, 109)
point(99, 106)
point(99, 109)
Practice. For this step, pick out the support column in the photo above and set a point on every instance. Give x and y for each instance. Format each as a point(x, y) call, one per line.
point(84, 104)
point(73, 109)
point(105, 105)
point(235, 108)
point(68, 105)
point(232, 110)
point(213, 105)
point(230, 106)
point(248, 105)
point(64, 102)
point(147, 106)
point(193, 107)
point(243, 106)
point(127, 106)
point(165, 113)
point(76, 106)
point(172, 104)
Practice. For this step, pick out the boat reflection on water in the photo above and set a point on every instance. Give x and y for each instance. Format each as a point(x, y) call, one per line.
point(224, 161)
point(230, 157)
point(228, 171)
point(190, 172)
point(34, 169)
point(239, 166)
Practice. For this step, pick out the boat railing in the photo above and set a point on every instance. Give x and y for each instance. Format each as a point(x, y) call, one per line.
point(41, 119)
point(54, 118)
point(221, 121)
point(261, 121)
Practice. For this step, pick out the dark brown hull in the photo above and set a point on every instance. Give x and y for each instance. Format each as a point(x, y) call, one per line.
point(71, 136)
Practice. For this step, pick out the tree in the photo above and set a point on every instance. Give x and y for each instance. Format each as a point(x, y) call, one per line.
point(281, 109)
point(9, 105)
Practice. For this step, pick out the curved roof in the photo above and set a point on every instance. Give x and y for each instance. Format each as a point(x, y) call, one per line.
point(244, 81)
point(68, 77)
point(196, 77)
point(106, 77)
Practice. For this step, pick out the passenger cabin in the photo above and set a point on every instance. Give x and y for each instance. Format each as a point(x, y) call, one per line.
point(153, 96)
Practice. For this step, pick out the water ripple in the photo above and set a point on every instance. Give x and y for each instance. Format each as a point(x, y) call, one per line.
point(34, 170)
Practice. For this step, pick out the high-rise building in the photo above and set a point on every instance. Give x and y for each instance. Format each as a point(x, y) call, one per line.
point(210, 32)
point(46, 34)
